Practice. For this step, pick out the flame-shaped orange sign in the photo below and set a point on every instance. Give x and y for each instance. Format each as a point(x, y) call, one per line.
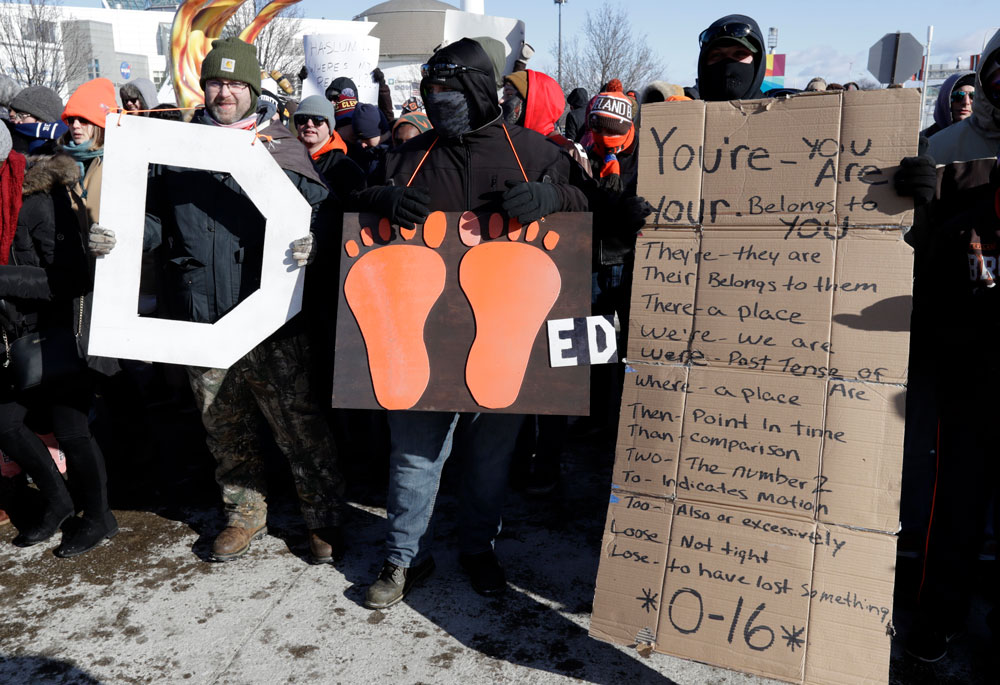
point(196, 24)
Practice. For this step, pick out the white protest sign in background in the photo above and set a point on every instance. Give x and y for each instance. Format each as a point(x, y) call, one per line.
point(117, 330)
point(330, 56)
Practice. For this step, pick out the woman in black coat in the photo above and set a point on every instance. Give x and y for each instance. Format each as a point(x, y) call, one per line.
point(42, 288)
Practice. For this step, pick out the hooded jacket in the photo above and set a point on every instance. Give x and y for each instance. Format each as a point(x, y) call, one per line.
point(752, 91)
point(942, 106)
point(470, 171)
point(576, 118)
point(142, 87)
point(978, 136)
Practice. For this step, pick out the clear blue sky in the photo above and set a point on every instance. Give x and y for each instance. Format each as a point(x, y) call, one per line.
point(829, 39)
point(820, 39)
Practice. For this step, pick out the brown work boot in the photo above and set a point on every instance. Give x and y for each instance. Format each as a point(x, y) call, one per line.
point(234, 541)
point(326, 545)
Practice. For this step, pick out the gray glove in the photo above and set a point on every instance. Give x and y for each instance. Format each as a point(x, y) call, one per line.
point(100, 240)
point(304, 250)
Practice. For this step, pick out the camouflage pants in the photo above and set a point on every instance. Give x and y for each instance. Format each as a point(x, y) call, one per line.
point(271, 383)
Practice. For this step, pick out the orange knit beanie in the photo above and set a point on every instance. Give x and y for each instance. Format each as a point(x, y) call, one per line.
point(91, 101)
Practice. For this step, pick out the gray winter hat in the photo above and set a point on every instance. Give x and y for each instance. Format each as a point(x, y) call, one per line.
point(40, 102)
point(4, 143)
point(317, 106)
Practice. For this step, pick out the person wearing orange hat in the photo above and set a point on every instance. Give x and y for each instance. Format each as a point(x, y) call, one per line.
point(84, 114)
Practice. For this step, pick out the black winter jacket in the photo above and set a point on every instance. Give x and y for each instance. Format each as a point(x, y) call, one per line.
point(613, 243)
point(48, 271)
point(213, 233)
point(470, 171)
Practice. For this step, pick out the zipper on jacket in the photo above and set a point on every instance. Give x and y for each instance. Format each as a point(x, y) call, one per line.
point(468, 178)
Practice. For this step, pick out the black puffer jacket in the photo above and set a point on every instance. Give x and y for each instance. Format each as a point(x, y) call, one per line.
point(47, 270)
point(470, 171)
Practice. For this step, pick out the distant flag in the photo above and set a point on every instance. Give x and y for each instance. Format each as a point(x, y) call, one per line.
point(774, 77)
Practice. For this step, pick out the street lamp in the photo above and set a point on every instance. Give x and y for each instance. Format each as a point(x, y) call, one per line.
point(559, 69)
point(772, 39)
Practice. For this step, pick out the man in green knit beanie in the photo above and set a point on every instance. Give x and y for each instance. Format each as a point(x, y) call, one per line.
point(230, 77)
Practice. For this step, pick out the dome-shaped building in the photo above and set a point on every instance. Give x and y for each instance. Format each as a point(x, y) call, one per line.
point(410, 30)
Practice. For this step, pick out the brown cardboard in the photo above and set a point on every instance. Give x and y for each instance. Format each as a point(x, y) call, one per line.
point(762, 410)
point(670, 150)
point(760, 299)
point(452, 323)
point(811, 163)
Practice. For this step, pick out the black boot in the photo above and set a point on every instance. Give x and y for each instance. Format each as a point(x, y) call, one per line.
point(84, 534)
point(34, 458)
point(89, 481)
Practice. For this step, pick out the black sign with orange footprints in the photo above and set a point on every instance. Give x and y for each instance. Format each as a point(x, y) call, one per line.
point(450, 316)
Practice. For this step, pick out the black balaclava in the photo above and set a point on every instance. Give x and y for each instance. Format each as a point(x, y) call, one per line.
point(476, 88)
point(730, 80)
point(448, 112)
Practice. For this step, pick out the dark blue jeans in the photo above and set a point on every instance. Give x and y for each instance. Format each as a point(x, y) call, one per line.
point(421, 443)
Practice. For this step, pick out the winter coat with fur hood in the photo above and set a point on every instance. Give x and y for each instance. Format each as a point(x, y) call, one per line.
point(47, 271)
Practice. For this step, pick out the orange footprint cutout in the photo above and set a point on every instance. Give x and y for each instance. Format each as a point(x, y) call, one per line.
point(511, 286)
point(391, 290)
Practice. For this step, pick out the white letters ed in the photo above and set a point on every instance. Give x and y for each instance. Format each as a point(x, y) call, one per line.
point(117, 330)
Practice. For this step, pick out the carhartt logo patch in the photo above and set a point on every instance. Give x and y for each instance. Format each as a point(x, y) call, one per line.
point(228, 64)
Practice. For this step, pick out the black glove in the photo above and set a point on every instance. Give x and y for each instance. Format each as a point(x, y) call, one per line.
point(635, 209)
point(530, 201)
point(377, 75)
point(916, 178)
point(401, 206)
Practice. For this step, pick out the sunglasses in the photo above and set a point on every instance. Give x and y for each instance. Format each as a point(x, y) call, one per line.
point(303, 119)
point(441, 70)
point(960, 95)
point(730, 30)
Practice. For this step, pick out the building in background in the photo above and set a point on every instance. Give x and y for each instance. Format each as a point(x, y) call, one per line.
point(410, 30)
point(129, 39)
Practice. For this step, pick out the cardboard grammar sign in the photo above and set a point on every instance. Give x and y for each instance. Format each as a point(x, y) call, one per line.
point(756, 483)
point(133, 143)
point(451, 316)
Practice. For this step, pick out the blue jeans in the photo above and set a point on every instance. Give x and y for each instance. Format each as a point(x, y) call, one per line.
point(421, 443)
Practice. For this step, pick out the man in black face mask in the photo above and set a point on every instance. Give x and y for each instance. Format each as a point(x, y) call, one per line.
point(469, 161)
point(731, 65)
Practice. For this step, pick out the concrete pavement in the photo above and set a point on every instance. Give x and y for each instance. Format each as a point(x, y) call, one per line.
point(147, 607)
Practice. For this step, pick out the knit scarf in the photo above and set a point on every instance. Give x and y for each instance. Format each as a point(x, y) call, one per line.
point(245, 124)
point(334, 142)
point(11, 183)
point(83, 152)
point(610, 154)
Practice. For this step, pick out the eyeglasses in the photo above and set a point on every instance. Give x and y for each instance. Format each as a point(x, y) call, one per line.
point(20, 117)
point(303, 119)
point(730, 30)
point(74, 120)
point(960, 95)
point(234, 86)
point(441, 70)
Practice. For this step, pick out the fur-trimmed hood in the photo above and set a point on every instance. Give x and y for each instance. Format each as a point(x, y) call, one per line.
point(45, 172)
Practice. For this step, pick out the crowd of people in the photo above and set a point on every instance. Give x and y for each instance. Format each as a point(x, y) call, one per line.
point(476, 139)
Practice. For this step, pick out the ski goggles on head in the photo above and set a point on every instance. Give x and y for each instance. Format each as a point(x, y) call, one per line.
point(736, 30)
point(442, 70)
